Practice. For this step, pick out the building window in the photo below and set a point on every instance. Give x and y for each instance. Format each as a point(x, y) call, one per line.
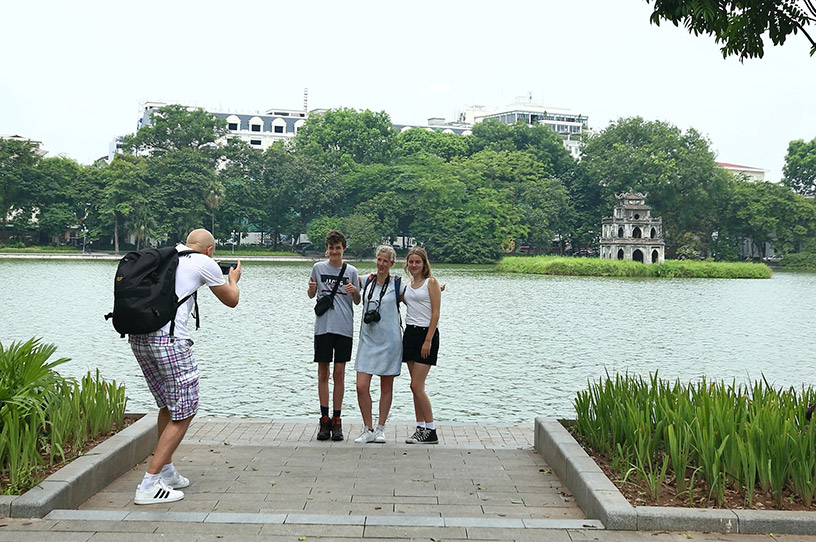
point(278, 129)
point(232, 125)
point(255, 142)
point(256, 127)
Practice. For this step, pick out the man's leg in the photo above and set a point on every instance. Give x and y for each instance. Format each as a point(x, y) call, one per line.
point(169, 440)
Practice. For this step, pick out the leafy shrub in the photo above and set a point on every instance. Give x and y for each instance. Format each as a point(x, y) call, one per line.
point(729, 436)
point(44, 415)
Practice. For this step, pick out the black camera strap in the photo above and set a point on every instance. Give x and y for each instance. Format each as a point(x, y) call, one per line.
point(371, 291)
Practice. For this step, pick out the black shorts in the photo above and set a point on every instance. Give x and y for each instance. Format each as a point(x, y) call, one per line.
point(331, 343)
point(412, 341)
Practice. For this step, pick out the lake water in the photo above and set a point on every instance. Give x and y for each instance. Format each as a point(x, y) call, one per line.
point(512, 346)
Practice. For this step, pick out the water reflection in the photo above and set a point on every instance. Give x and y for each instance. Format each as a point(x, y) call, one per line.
point(513, 347)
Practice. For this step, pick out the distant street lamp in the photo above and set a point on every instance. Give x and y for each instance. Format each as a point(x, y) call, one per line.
point(232, 241)
point(84, 238)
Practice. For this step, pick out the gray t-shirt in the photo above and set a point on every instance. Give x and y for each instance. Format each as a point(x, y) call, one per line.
point(340, 318)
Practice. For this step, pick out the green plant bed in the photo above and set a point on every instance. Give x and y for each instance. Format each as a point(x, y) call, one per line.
point(703, 443)
point(45, 419)
point(38, 249)
point(595, 267)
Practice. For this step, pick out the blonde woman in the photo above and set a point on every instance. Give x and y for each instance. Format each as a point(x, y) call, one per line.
point(380, 345)
point(420, 343)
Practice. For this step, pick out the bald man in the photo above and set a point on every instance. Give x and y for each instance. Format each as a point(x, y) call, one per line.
point(171, 371)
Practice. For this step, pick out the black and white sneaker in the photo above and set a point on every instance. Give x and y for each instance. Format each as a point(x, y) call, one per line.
point(159, 493)
point(413, 438)
point(427, 437)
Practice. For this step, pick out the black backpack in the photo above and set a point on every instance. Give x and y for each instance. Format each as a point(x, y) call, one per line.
point(144, 291)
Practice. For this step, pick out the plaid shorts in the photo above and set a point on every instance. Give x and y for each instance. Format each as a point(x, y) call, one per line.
point(170, 370)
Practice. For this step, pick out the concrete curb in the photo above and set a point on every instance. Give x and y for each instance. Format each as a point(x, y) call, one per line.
point(600, 499)
point(87, 475)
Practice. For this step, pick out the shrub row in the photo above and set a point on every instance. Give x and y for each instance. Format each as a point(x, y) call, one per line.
point(596, 267)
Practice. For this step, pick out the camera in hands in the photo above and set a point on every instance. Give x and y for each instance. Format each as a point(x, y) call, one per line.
point(225, 267)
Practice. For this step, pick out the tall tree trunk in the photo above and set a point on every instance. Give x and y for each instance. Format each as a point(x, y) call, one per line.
point(115, 235)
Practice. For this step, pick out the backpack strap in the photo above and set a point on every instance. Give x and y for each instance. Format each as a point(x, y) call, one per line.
point(397, 287)
point(181, 302)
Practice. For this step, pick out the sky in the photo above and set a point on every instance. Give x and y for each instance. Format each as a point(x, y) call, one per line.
point(74, 74)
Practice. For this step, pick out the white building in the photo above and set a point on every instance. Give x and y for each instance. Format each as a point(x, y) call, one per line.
point(752, 173)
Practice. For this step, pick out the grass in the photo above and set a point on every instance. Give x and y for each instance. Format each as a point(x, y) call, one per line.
point(37, 249)
point(595, 267)
point(46, 418)
point(715, 436)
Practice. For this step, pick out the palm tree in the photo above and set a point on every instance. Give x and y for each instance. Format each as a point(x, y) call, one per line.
point(213, 197)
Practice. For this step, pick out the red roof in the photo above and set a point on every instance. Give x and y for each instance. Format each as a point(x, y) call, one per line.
point(726, 165)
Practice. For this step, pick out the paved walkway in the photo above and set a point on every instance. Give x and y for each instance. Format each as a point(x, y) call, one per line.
point(271, 480)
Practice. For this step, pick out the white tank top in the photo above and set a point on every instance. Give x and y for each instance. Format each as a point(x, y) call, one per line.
point(418, 302)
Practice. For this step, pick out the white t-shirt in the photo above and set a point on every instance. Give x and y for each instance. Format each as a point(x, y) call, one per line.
point(194, 271)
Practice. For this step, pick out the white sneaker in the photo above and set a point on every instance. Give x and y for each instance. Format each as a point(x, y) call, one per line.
point(176, 481)
point(159, 493)
point(365, 437)
point(379, 436)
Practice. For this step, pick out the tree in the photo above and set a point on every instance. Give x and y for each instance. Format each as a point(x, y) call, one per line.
point(56, 178)
point(675, 169)
point(444, 145)
point(739, 25)
point(179, 178)
point(344, 136)
point(18, 180)
point(319, 228)
point(539, 140)
point(361, 232)
point(765, 212)
point(175, 127)
point(125, 189)
point(800, 167)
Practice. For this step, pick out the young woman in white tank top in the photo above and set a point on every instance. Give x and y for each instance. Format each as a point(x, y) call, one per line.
point(420, 342)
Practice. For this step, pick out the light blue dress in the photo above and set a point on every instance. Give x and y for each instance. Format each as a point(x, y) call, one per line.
point(380, 345)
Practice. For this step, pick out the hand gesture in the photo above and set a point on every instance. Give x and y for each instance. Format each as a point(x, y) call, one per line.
point(350, 288)
point(312, 287)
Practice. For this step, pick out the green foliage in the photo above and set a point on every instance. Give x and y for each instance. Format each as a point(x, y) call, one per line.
point(803, 261)
point(675, 169)
point(345, 136)
point(361, 234)
point(800, 167)
point(445, 146)
point(319, 228)
point(45, 415)
point(739, 25)
point(175, 127)
point(557, 265)
point(708, 437)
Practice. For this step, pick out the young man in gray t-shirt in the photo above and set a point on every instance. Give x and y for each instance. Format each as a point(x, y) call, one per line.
point(334, 330)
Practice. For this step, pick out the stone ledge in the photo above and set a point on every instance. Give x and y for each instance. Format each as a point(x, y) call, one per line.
point(86, 475)
point(601, 500)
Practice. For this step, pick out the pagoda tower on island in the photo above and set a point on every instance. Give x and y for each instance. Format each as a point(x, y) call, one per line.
point(632, 233)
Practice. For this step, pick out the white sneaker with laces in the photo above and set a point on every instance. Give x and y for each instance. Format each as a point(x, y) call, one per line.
point(159, 493)
point(379, 436)
point(365, 437)
point(176, 481)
